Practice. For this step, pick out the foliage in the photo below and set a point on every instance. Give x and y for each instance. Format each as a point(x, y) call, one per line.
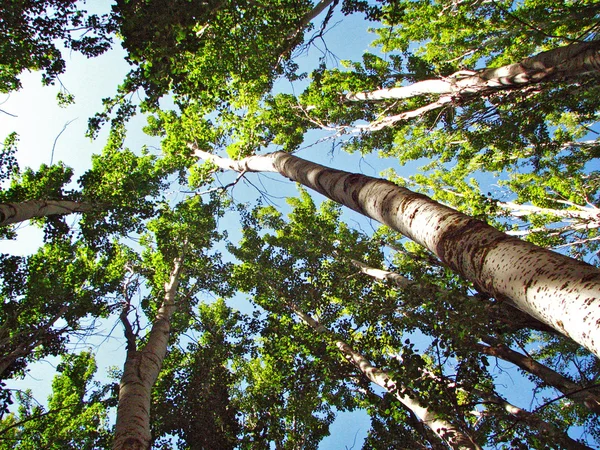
point(266, 378)
point(76, 416)
point(47, 296)
point(34, 31)
point(300, 267)
point(192, 399)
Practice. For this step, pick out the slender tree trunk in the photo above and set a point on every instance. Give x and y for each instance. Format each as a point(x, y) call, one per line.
point(589, 215)
point(142, 367)
point(443, 429)
point(574, 391)
point(570, 61)
point(559, 291)
point(19, 212)
point(544, 428)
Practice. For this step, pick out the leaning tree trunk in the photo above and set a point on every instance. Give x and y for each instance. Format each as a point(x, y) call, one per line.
point(447, 432)
point(142, 367)
point(574, 391)
point(560, 291)
point(548, 430)
point(566, 62)
point(19, 212)
point(586, 397)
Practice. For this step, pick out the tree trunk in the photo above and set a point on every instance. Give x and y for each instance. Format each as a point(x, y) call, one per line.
point(443, 429)
point(570, 61)
point(574, 391)
point(559, 291)
point(544, 428)
point(19, 212)
point(141, 370)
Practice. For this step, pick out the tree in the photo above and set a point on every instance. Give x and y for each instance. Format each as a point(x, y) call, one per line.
point(178, 262)
point(280, 385)
point(572, 61)
point(47, 296)
point(76, 416)
point(313, 241)
point(30, 33)
point(497, 264)
point(193, 397)
point(449, 433)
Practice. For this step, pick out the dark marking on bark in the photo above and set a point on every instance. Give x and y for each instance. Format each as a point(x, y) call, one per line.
point(589, 277)
point(528, 284)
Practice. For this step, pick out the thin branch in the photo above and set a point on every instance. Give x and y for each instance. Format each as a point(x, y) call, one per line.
point(56, 139)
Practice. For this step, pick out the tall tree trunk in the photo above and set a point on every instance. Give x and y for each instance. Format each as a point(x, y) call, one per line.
point(495, 348)
point(142, 367)
point(570, 61)
point(450, 434)
point(560, 291)
point(19, 212)
point(574, 391)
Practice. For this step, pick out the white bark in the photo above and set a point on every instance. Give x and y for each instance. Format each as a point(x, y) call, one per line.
point(589, 214)
point(564, 62)
point(442, 428)
point(142, 367)
point(383, 275)
point(19, 212)
point(559, 291)
point(581, 218)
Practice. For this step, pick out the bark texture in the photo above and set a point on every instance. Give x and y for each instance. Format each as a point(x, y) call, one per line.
point(557, 290)
point(142, 367)
point(19, 212)
point(566, 62)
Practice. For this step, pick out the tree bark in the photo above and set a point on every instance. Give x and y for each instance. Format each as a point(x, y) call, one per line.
point(141, 370)
point(443, 429)
point(587, 398)
point(19, 212)
point(570, 61)
point(559, 291)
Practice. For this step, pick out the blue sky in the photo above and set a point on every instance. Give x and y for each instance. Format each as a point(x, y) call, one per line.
point(40, 124)
point(39, 120)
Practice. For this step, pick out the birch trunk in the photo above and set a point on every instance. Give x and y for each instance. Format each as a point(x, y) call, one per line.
point(19, 212)
point(450, 434)
point(574, 391)
point(559, 291)
point(566, 62)
point(142, 367)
